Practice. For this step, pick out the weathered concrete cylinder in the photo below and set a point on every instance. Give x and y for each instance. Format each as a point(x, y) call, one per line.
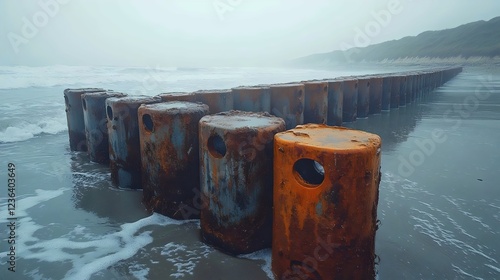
point(96, 128)
point(170, 157)
point(326, 183)
point(395, 91)
point(177, 96)
point(74, 117)
point(403, 90)
point(315, 102)
point(252, 99)
point(287, 102)
point(376, 84)
point(236, 168)
point(386, 93)
point(363, 97)
point(217, 100)
point(335, 102)
point(124, 144)
point(350, 106)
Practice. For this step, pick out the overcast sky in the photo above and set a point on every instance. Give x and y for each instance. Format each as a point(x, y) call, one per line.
point(213, 32)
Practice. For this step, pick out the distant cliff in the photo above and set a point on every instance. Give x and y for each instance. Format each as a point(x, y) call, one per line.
point(476, 39)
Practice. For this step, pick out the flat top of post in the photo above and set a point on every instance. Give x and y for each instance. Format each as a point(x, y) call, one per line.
point(233, 120)
point(179, 105)
point(134, 99)
point(330, 137)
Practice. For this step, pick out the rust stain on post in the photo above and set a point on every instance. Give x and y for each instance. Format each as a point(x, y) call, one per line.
point(217, 100)
point(335, 102)
point(315, 102)
point(287, 102)
point(252, 99)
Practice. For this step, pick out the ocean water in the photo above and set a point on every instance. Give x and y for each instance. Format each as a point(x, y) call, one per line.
point(439, 197)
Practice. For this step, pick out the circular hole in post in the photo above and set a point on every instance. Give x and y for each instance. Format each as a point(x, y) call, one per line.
point(216, 146)
point(84, 104)
point(109, 112)
point(148, 122)
point(309, 171)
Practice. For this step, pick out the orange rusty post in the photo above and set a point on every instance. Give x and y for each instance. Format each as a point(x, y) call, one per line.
point(350, 106)
point(96, 129)
point(170, 157)
point(252, 99)
point(326, 184)
point(236, 170)
point(315, 101)
point(124, 145)
point(74, 117)
point(335, 102)
point(363, 97)
point(376, 83)
point(287, 102)
point(217, 100)
point(177, 96)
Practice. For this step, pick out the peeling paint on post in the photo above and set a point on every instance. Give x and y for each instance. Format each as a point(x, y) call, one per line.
point(217, 100)
point(350, 106)
point(326, 184)
point(96, 129)
point(315, 101)
point(170, 157)
point(376, 84)
point(335, 102)
point(287, 102)
point(124, 146)
point(363, 97)
point(252, 99)
point(74, 116)
point(236, 169)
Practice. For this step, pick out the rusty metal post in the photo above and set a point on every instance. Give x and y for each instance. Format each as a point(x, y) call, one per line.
point(395, 91)
point(287, 102)
point(409, 88)
point(74, 117)
point(177, 96)
point(217, 100)
point(236, 168)
point(363, 97)
point(124, 145)
point(376, 83)
point(315, 101)
point(335, 102)
point(170, 157)
point(350, 106)
point(326, 184)
point(402, 90)
point(252, 99)
point(386, 93)
point(96, 129)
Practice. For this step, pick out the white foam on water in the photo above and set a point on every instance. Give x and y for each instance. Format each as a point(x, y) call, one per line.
point(463, 273)
point(139, 271)
point(24, 130)
point(262, 255)
point(183, 258)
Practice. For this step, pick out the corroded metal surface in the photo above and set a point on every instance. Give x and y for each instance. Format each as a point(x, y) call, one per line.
point(170, 157)
point(252, 99)
point(315, 101)
point(350, 106)
point(376, 84)
point(326, 183)
point(335, 102)
point(386, 93)
point(74, 117)
point(236, 168)
point(178, 96)
point(287, 102)
point(395, 91)
point(363, 97)
point(96, 129)
point(217, 100)
point(124, 146)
